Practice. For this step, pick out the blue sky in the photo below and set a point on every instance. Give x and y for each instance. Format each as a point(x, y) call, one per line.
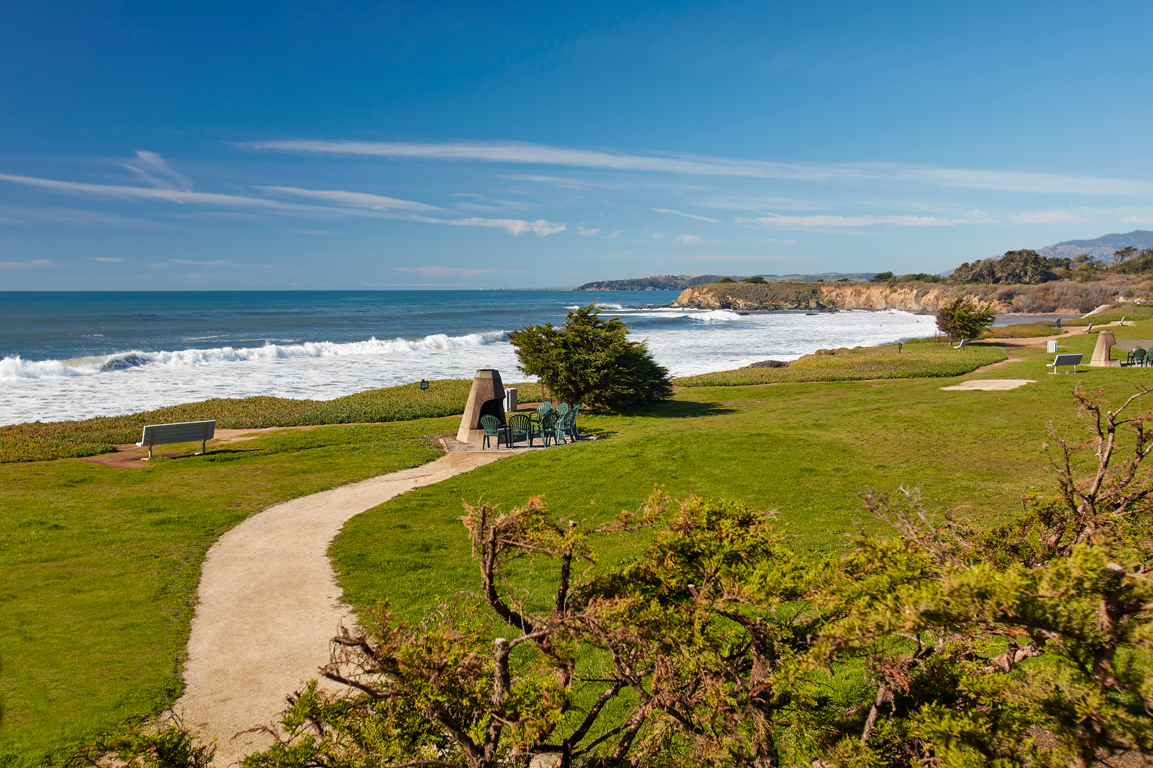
point(390, 145)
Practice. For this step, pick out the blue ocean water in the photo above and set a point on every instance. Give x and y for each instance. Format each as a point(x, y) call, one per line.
point(74, 355)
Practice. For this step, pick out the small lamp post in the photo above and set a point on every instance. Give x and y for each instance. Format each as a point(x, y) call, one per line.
point(899, 345)
point(424, 384)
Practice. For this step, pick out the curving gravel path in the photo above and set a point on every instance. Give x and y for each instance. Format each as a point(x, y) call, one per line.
point(269, 604)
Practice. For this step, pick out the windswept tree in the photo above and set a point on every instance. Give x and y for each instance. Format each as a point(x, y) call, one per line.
point(961, 320)
point(591, 360)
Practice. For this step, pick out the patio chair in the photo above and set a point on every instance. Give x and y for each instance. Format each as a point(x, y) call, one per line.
point(547, 428)
point(568, 425)
point(492, 428)
point(1138, 356)
point(576, 409)
point(519, 425)
point(561, 410)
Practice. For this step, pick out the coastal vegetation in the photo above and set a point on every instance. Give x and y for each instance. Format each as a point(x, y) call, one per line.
point(43, 441)
point(962, 320)
point(589, 360)
point(940, 642)
point(99, 564)
point(913, 360)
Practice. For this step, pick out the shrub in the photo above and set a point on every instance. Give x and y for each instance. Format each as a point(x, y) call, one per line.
point(590, 360)
point(755, 280)
point(961, 320)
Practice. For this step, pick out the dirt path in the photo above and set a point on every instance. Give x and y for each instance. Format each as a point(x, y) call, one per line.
point(269, 604)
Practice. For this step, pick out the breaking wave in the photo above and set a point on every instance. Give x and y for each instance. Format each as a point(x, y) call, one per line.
point(15, 367)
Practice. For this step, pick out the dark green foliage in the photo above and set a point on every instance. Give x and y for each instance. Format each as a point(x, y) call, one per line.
point(754, 280)
point(590, 360)
point(726, 280)
point(1015, 267)
point(919, 277)
point(962, 320)
point(169, 747)
point(1135, 263)
point(882, 277)
point(944, 645)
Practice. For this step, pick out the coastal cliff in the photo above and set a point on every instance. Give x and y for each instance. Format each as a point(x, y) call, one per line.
point(910, 297)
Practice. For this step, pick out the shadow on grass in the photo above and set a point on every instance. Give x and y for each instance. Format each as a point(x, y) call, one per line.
point(681, 409)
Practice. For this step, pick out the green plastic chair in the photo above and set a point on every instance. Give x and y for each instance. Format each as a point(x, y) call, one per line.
point(1139, 356)
point(492, 428)
point(576, 409)
point(547, 428)
point(561, 410)
point(568, 424)
point(519, 425)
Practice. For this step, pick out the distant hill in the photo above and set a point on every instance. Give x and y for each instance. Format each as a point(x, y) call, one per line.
point(681, 282)
point(1100, 248)
point(654, 283)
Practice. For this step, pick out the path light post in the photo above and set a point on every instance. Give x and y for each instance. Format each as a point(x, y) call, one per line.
point(899, 345)
point(423, 384)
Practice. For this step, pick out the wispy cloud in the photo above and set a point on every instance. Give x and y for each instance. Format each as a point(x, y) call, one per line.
point(152, 169)
point(540, 227)
point(686, 215)
point(445, 271)
point(1045, 217)
point(807, 222)
point(363, 204)
point(697, 165)
point(687, 239)
point(34, 264)
point(171, 263)
point(353, 199)
point(658, 235)
point(586, 232)
point(107, 260)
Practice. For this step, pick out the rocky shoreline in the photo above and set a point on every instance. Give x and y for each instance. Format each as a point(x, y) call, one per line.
point(919, 298)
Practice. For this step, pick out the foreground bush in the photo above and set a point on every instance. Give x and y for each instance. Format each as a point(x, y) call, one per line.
point(719, 646)
point(914, 361)
point(40, 441)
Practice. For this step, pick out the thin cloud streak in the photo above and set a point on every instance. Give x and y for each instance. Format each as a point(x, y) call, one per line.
point(805, 222)
point(34, 264)
point(353, 199)
point(697, 165)
point(686, 215)
point(540, 227)
point(445, 271)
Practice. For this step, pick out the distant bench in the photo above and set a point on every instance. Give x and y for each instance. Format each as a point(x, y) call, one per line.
point(1073, 360)
point(184, 432)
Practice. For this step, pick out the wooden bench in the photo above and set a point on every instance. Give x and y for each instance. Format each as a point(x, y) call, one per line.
point(183, 432)
point(1073, 360)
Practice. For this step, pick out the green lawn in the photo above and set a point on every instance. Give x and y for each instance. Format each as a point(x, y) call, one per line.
point(98, 566)
point(806, 450)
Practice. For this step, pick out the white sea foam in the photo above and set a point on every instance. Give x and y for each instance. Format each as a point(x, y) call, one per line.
point(12, 368)
point(685, 341)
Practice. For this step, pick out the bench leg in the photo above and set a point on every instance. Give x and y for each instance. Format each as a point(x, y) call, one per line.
point(150, 452)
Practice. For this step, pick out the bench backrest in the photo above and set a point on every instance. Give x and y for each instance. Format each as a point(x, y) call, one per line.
point(182, 432)
point(1067, 360)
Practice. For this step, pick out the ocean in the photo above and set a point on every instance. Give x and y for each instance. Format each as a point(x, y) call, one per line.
point(74, 355)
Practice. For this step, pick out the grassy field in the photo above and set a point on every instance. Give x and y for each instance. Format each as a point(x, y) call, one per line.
point(914, 360)
point(42, 441)
point(805, 449)
point(99, 565)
